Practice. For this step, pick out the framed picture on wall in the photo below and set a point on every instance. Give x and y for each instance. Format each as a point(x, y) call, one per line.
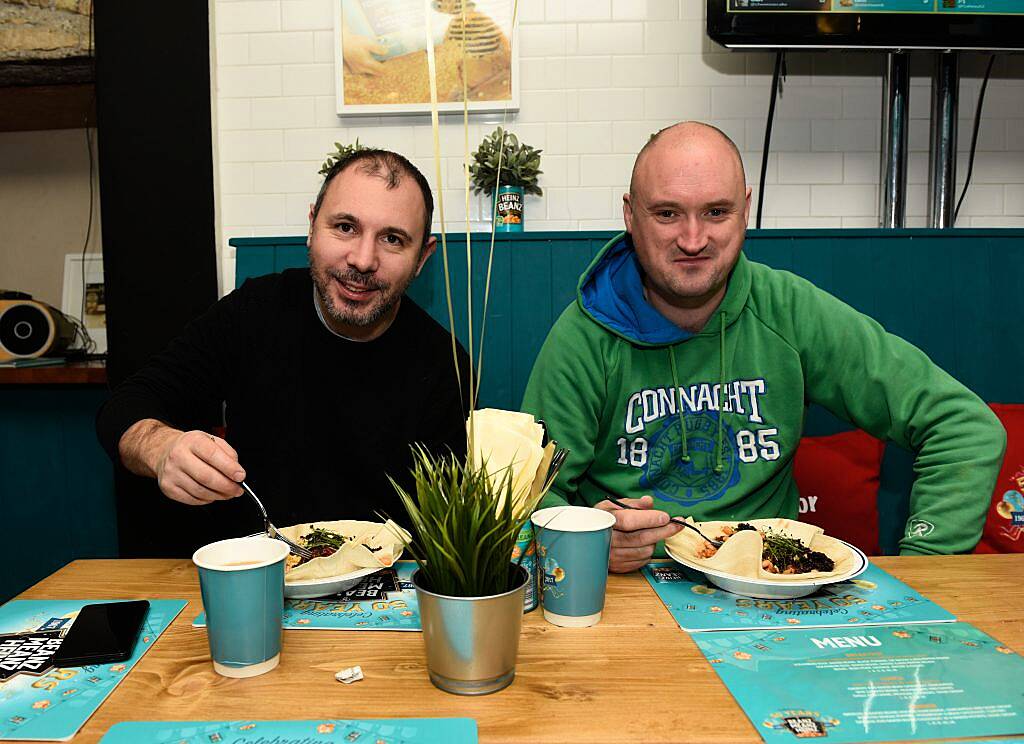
point(381, 64)
point(83, 297)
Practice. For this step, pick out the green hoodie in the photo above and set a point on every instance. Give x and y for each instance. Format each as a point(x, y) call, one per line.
point(636, 400)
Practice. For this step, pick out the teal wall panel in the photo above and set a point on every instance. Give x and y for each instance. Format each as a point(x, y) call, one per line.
point(256, 260)
point(497, 332)
point(535, 310)
point(289, 256)
point(57, 498)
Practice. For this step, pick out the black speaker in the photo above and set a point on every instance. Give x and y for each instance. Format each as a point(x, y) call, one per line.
point(32, 329)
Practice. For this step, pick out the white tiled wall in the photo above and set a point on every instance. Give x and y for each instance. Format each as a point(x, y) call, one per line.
point(597, 78)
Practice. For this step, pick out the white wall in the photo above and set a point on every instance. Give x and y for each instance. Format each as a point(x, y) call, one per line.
point(598, 77)
point(44, 208)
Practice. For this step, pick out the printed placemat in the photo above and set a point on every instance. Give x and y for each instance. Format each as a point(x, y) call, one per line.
point(879, 683)
point(873, 598)
point(385, 600)
point(349, 731)
point(41, 703)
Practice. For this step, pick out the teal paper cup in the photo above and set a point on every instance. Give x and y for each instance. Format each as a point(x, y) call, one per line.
point(242, 582)
point(573, 547)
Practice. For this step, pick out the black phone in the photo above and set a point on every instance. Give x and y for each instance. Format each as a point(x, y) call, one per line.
point(102, 634)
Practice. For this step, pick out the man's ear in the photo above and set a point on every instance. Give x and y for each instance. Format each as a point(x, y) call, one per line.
point(309, 233)
point(427, 252)
point(746, 207)
point(627, 212)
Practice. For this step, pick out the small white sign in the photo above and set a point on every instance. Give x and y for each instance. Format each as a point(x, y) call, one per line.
point(83, 298)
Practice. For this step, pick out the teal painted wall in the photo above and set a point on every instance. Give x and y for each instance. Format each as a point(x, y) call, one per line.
point(954, 293)
point(57, 492)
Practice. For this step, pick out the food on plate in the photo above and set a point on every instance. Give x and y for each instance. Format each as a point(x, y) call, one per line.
point(771, 550)
point(321, 543)
point(342, 547)
point(781, 554)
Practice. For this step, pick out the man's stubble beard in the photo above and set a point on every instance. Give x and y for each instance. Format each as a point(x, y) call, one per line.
point(387, 299)
point(675, 288)
point(698, 289)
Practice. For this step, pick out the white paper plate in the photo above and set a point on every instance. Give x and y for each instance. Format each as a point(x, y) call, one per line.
point(748, 587)
point(330, 585)
point(326, 587)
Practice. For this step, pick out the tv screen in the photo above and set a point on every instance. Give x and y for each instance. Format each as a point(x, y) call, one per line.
point(859, 24)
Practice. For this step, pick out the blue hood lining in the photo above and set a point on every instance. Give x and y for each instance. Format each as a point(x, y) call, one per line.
point(613, 294)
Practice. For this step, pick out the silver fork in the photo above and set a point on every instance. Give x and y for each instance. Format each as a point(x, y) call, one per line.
point(677, 520)
point(556, 464)
point(271, 530)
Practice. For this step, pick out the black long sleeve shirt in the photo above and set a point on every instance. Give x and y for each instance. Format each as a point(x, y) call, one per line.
point(318, 421)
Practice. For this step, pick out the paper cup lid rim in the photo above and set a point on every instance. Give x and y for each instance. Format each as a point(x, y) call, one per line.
point(551, 523)
point(200, 562)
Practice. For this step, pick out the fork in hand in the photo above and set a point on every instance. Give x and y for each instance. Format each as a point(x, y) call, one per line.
point(271, 530)
point(677, 520)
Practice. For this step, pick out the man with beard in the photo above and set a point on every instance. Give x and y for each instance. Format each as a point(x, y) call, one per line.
point(327, 374)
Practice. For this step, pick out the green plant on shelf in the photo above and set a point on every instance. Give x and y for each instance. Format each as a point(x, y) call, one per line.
point(519, 164)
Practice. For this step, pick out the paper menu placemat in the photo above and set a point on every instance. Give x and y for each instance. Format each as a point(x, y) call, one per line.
point(53, 704)
point(873, 598)
point(384, 601)
point(875, 683)
point(366, 731)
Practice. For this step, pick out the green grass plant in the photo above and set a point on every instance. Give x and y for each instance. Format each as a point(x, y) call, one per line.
point(464, 526)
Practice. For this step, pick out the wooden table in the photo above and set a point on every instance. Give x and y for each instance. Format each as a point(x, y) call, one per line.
point(634, 677)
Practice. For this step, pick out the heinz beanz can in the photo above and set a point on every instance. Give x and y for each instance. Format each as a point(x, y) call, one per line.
point(508, 209)
point(526, 549)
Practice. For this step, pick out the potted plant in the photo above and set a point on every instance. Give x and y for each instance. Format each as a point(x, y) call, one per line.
point(506, 169)
point(340, 153)
point(466, 517)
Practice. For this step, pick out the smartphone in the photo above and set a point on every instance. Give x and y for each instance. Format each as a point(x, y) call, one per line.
point(102, 634)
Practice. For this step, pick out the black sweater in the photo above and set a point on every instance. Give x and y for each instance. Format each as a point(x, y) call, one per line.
point(318, 421)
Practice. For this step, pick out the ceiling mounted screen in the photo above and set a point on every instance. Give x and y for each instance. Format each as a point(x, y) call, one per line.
point(880, 24)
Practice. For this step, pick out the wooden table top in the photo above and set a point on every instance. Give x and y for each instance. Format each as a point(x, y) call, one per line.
point(634, 677)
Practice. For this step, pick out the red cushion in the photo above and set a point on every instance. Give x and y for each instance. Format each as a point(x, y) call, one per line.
point(837, 477)
point(1004, 525)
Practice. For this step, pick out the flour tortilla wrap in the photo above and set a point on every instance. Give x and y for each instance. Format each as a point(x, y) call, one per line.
point(353, 554)
point(740, 555)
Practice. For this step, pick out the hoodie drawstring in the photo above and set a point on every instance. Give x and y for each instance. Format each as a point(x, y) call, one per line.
point(685, 457)
point(721, 393)
point(677, 394)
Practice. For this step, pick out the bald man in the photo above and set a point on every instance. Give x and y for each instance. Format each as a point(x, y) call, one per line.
point(679, 376)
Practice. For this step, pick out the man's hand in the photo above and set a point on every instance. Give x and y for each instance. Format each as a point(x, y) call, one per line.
point(192, 467)
point(636, 533)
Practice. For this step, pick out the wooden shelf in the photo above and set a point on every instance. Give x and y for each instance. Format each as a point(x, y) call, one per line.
point(79, 373)
point(34, 107)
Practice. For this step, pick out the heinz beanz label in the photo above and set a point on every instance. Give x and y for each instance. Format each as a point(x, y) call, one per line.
point(509, 209)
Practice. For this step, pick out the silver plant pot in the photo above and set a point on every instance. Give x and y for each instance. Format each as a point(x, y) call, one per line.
point(471, 642)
